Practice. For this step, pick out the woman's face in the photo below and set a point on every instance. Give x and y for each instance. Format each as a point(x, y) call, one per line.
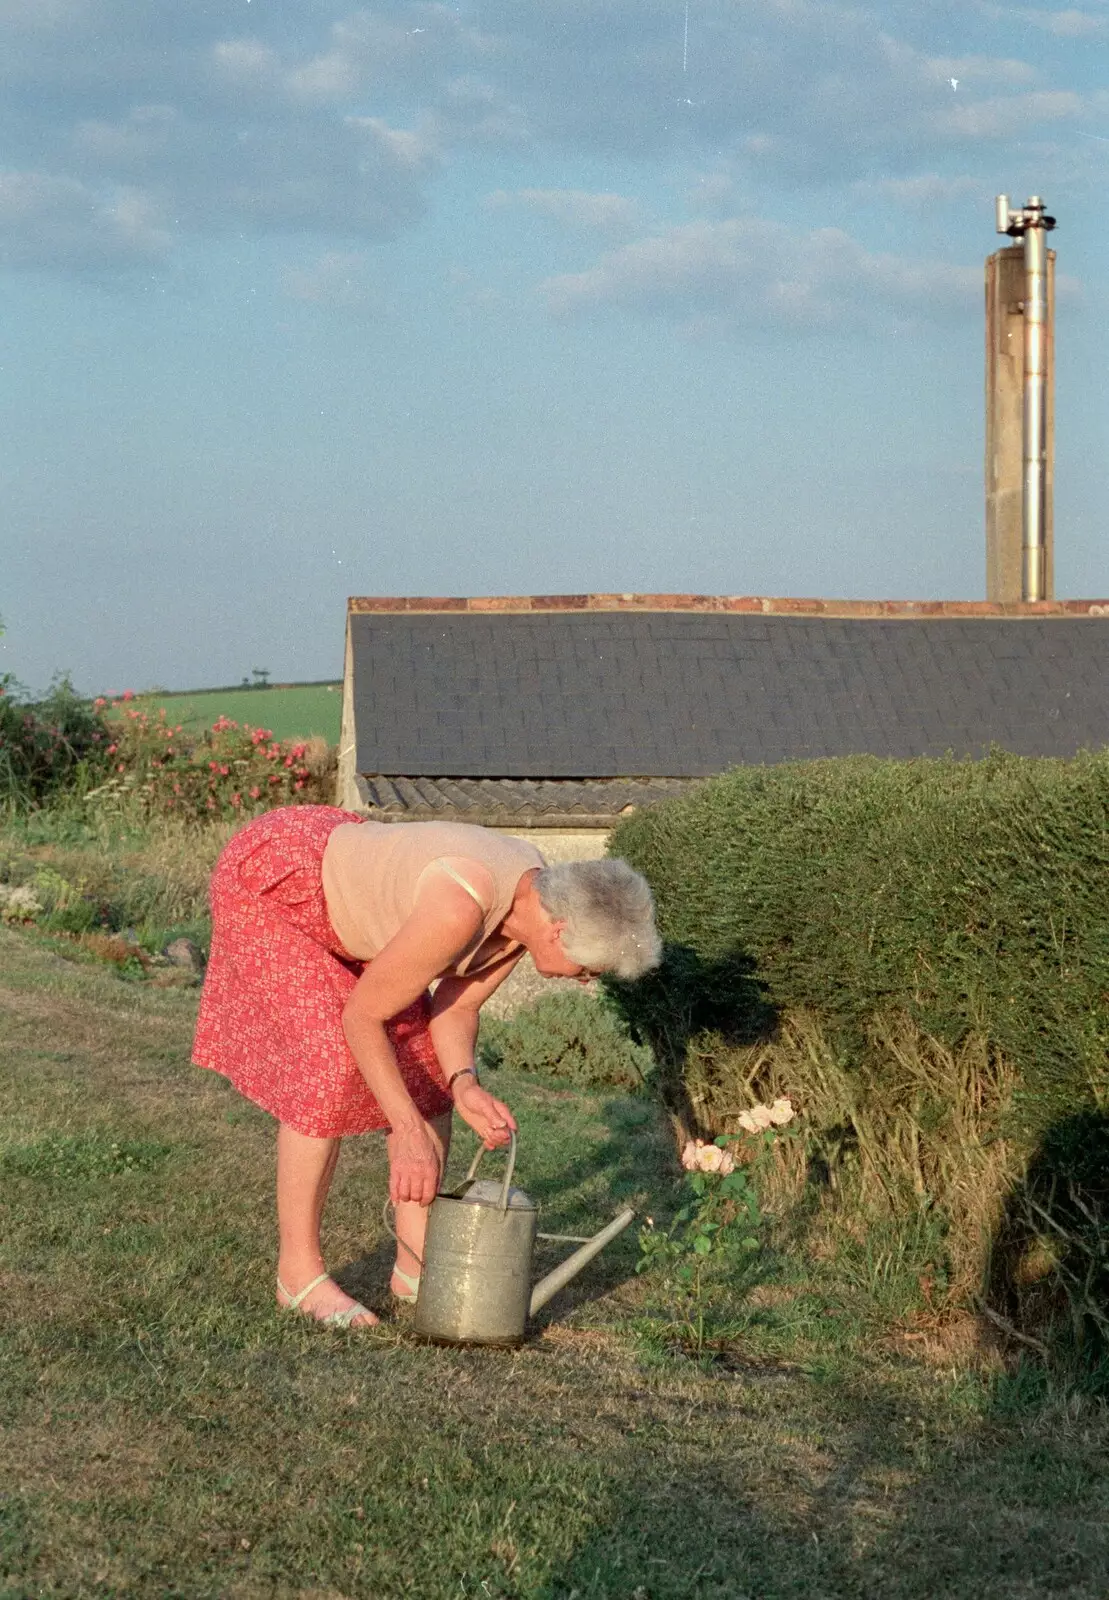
point(551, 960)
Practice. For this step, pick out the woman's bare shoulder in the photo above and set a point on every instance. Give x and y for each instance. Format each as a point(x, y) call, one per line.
point(473, 877)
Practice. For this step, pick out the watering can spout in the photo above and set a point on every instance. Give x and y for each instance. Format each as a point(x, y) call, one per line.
point(549, 1286)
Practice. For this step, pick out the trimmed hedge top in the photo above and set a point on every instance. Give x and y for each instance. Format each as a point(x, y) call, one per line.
point(969, 895)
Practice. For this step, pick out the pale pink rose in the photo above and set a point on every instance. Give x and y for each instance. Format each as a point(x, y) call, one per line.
point(755, 1120)
point(710, 1158)
point(727, 1163)
point(689, 1156)
point(782, 1112)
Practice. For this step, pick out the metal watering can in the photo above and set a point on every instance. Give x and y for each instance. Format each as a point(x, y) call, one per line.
point(475, 1280)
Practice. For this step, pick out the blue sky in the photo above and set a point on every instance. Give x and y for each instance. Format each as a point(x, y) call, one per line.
point(304, 299)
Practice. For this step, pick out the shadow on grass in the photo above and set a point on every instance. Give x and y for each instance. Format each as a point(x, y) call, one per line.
point(881, 1502)
point(1048, 1279)
point(686, 996)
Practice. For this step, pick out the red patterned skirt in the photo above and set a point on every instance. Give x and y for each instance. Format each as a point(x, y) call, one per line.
point(278, 979)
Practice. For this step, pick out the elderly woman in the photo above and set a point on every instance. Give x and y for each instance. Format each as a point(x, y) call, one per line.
point(327, 933)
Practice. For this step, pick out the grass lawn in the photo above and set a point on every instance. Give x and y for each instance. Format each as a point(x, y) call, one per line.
point(295, 712)
point(164, 1432)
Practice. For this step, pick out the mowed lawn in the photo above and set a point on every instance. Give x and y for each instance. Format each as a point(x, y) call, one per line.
point(297, 711)
point(165, 1432)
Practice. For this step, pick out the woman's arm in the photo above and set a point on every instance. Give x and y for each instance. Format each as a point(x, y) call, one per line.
point(444, 921)
point(454, 1025)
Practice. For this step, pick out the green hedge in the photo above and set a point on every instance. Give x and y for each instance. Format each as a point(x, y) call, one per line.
point(967, 896)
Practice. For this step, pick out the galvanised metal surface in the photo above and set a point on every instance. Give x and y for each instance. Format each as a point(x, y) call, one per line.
point(475, 1281)
point(1032, 225)
point(475, 1287)
point(1036, 333)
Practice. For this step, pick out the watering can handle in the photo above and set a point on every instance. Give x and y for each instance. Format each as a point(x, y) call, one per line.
point(508, 1170)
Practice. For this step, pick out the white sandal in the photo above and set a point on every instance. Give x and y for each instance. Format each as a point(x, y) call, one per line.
point(411, 1283)
point(337, 1319)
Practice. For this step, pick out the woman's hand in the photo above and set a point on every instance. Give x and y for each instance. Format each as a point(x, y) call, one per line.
point(413, 1165)
point(490, 1119)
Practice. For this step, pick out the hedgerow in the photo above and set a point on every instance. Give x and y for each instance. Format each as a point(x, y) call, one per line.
point(918, 953)
point(967, 896)
point(48, 747)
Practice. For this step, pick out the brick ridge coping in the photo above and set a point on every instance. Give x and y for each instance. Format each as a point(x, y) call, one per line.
point(756, 605)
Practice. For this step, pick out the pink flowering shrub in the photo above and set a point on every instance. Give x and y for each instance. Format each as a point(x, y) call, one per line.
point(231, 769)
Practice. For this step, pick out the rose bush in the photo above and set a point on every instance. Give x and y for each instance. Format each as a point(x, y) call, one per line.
point(719, 1225)
point(231, 769)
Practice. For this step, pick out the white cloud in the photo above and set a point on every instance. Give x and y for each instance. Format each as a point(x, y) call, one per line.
point(53, 222)
point(333, 117)
point(1067, 24)
point(922, 191)
point(1003, 117)
point(419, 49)
point(355, 176)
point(471, 110)
point(751, 272)
point(42, 16)
point(574, 208)
point(711, 192)
point(247, 63)
point(333, 76)
point(129, 145)
point(412, 150)
point(1072, 24)
point(994, 70)
point(336, 279)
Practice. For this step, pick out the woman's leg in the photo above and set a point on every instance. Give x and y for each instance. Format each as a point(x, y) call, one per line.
point(305, 1167)
point(411, 1220)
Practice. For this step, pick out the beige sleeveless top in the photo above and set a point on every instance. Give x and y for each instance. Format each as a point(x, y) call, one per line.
point(372, 872)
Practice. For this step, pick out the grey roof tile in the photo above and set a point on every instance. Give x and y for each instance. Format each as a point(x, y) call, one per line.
point(523, 803)
point(598, 695)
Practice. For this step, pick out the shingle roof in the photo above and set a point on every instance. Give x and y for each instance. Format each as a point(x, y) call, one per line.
point(576, 692)
point(519, 803)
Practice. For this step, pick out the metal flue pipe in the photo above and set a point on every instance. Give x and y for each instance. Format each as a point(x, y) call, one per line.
point(1033, 578)
point(1033, 225)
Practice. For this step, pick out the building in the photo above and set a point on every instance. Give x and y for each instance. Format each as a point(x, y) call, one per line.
point(552, 716)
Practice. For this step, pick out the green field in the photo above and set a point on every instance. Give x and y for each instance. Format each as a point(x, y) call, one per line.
point(290, 711)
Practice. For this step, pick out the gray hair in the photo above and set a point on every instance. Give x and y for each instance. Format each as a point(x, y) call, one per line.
point(609, 914)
